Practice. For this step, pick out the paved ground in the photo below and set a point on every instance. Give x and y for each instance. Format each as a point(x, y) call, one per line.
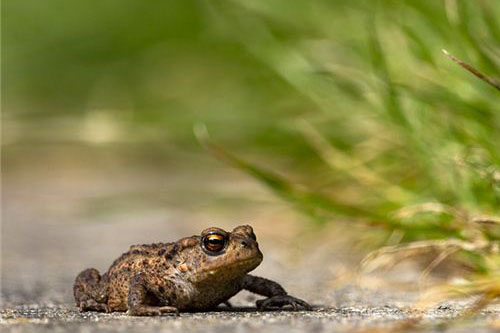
point(64, 318)
point(66, 209)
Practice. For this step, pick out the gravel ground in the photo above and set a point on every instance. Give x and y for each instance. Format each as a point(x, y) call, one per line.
point(64, 318)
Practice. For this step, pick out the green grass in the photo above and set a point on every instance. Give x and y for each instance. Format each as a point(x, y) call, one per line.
point(409, 140)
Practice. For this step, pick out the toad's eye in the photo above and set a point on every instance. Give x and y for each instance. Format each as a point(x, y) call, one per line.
point(214, 243)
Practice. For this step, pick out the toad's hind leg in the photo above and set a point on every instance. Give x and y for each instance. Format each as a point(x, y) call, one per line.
point(90, 294)
point(140, 296)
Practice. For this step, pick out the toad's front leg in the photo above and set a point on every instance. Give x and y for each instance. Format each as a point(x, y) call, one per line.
point(139, 295)
point(277, 296)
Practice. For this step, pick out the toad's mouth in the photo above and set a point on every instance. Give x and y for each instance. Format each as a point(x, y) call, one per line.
point(244, 265)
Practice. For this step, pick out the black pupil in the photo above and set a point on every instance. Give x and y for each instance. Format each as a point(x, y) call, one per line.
point(214, 243)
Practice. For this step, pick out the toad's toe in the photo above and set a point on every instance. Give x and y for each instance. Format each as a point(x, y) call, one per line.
point(277, 302)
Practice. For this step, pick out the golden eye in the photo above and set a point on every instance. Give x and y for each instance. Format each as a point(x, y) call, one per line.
point(214, 243)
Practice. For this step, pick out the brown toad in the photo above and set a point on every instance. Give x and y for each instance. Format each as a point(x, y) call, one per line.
point(193, 274)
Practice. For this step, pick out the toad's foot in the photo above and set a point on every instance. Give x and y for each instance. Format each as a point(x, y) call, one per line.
point(276, 302)
point(145, 310)
point(91, 305)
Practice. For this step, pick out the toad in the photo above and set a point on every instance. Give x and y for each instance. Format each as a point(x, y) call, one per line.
point(192, 274)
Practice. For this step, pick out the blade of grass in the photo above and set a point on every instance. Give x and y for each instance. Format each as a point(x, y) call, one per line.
point(490, 20)
point(314, 204)
point(381, 69)
point(355, 169)
point(419, 47)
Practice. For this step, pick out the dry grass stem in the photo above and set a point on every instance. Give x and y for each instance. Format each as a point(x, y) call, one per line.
point(491, 81)
point(389, 256)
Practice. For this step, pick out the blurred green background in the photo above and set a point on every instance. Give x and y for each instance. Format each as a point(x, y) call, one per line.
point(347, 110)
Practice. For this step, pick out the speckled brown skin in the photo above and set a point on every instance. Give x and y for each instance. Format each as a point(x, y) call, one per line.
point(181, 276)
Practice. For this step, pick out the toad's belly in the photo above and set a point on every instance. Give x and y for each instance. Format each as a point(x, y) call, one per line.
point(204, 297)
